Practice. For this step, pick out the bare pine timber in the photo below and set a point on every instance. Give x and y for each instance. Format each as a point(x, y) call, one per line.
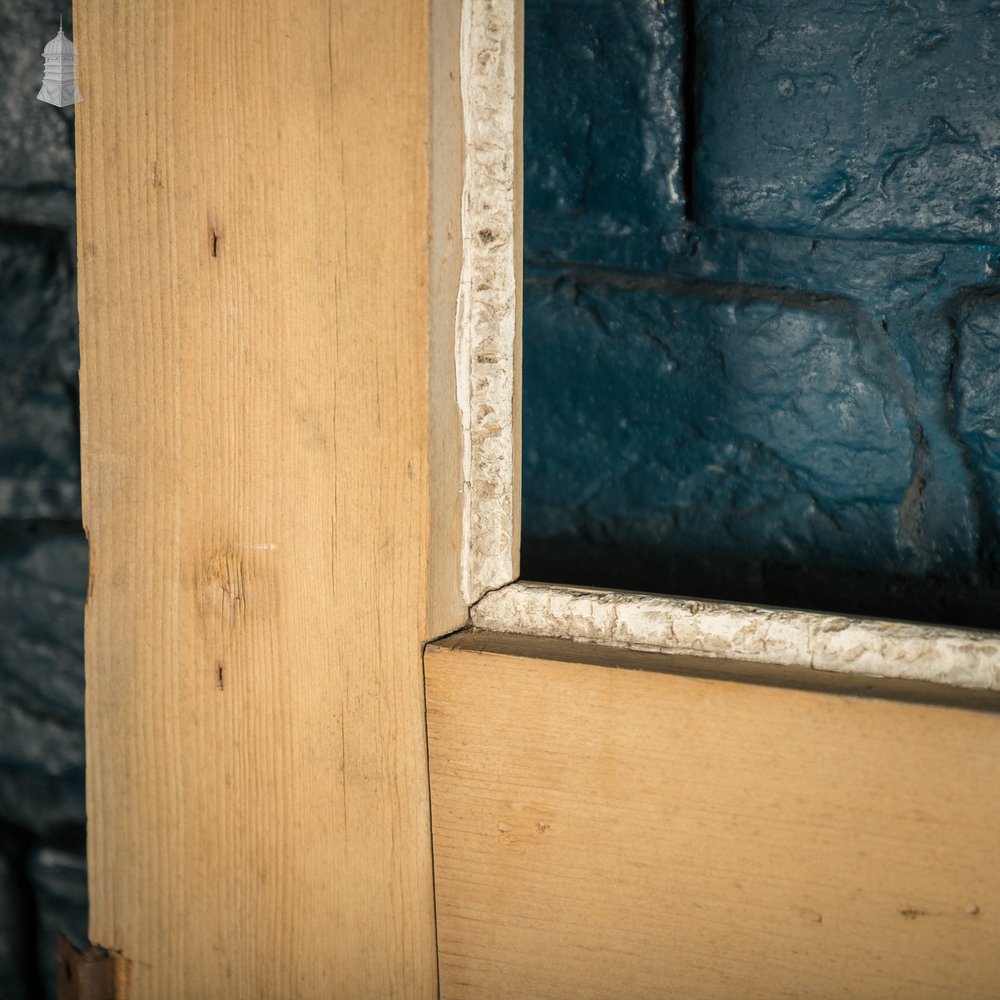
point(259, 280)
point(616, 824)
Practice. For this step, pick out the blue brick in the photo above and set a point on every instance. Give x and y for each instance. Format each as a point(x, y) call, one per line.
point(975, 389)
point(39, 440)
point(850, 118)
point(43, 582)
point(603, 115)
point(714, 436)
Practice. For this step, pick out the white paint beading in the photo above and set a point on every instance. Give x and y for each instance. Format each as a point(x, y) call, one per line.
point(487, 301)
point(962, 657)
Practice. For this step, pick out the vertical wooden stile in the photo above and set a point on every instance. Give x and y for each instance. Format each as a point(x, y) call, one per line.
point(258, 184)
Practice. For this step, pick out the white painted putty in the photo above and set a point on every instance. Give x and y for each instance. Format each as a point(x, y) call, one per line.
point(962, 657)
point(486, 317)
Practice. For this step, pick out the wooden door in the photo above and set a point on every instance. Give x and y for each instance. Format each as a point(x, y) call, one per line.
point(270, 250)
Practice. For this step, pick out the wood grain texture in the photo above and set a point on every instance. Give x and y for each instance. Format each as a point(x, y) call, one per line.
point(604, 832)
point(256, 299)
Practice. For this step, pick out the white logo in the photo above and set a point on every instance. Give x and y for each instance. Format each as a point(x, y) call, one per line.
point(59, 82)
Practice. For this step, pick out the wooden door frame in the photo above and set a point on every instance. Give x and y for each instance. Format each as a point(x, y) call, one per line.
point(299, 254)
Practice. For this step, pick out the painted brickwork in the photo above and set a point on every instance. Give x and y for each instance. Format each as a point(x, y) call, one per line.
point(762, 308)
point(43, 553)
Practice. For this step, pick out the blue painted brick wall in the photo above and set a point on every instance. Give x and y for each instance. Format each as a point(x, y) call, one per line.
point(43, 551)
point(605, 156)
point(761, 331)
point(849, 118)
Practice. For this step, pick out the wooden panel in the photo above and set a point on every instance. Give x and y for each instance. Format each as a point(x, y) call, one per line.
point(256, 299)
point(607, 832)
